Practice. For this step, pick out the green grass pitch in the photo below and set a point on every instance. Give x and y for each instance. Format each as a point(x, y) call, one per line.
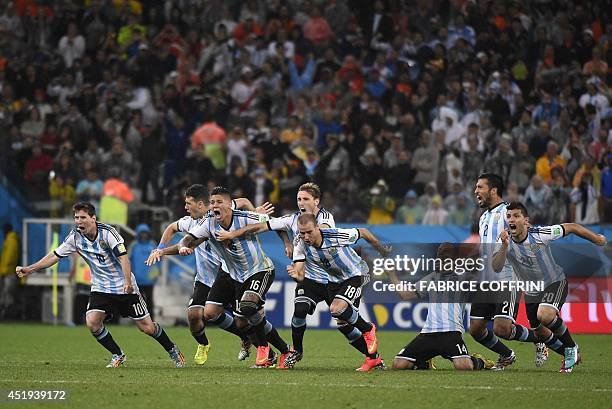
point(40, 357)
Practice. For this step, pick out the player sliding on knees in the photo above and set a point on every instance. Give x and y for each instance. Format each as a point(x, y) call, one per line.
point(313, 289)
point(250, 275)
point(442, 333)
point(113, 286)
point(528, 250)
point(329, 250)
point(208, 266)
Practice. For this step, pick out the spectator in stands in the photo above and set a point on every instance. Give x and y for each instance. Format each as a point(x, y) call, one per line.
point(62, 195)
point(584, 201)
point(537, 200)
point(382, 206)
point(461, 213)
point(425, 162)
point(559, 197)
point(606, 187)
point(90, 188)
point(410, 212)
point(435, 215)
point(548, 161)
point(118, 161)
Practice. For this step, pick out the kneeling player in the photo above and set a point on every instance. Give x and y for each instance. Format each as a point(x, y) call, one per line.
point(528, 250)
point(442, 334)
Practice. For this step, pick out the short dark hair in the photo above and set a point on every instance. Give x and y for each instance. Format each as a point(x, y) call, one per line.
point(198, 192)
point(518, 206)
point(494, 181)
point(312, 188)
point(306, 218)
point(220, 190)
point(85, 206)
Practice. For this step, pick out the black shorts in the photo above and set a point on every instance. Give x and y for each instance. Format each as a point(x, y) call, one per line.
point(448, 345)
point(506, 307)
point(199, 296)
point(553, 296)
point(312, 293)
point(227, 291)
point(348, 290)
point(127, 305)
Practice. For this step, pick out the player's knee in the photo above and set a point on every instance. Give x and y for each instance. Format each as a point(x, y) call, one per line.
point(477, 329)
point(194, 316)
point(212, 312)
point(463, 364)
point(94, 324)
point(546, 315)
point(248, 308)
point(241, 322)
point(337, 307)
point(402, 364)
point(301, 309)
point(503, 328)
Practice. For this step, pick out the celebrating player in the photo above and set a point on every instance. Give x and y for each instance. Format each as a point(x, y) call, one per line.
point(442, 333)
point(251, 274)
point(328, 250)
point(528, 250)
point(489, 188)
point(113, 286)
point(208, 264)
point(313, 289)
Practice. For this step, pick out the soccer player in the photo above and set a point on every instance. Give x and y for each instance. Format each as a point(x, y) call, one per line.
point(313, 289)
point(528, 250)
point(329, 250)
point(208, 264)
point(488, 191)
point(442, 333)
point(251, 274)
point(113, 286)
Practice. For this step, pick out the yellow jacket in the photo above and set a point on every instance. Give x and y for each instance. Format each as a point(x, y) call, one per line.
point(10, 254)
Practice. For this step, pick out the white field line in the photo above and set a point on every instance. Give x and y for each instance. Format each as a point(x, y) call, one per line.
point(406, 387)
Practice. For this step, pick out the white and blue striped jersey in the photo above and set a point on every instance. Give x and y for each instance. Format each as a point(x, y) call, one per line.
point(444, 312)
point(288, 224)
point(208, 261)
point(101, 255)
point(532, 258)
point(335, 256)
point(243, 256)
point(492, 223)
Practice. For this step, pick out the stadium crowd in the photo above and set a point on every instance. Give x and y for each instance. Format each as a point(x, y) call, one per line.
point(392, 107)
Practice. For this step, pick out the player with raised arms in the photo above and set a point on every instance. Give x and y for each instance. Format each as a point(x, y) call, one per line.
point(113, 286)
point(528, 249)
point(208, 265)
point(313, 289)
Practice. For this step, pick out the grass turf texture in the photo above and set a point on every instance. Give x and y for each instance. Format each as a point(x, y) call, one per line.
point(40, 357)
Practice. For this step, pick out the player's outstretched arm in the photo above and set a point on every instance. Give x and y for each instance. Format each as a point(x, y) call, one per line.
point(368, 236)
point(581, 231)
point(296, 270)
point(157, 254)
point(243, 203)
point(224, 235)
point(499, 258)
point(45, 262)
point(404, 295)
point(288, 244)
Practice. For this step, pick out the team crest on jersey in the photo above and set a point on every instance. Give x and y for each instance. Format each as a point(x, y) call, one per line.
point(104, 245)
point(333, 251)
point(535, 247)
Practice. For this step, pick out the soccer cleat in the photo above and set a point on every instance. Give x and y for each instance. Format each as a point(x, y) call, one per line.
point(177, 357)
point(541, 355)
point(292, 358)
point(489, 364)
point(201, 355)
point(117, 360)
point(504, 361)
point(430, 364)
point(572, 358)
point(266, 358)
point(245, 349)
point(370, 363)
point(281, 361)
point(371, 340)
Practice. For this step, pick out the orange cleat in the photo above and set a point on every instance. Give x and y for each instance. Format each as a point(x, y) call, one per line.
point(371, 340)
point(369, 364)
